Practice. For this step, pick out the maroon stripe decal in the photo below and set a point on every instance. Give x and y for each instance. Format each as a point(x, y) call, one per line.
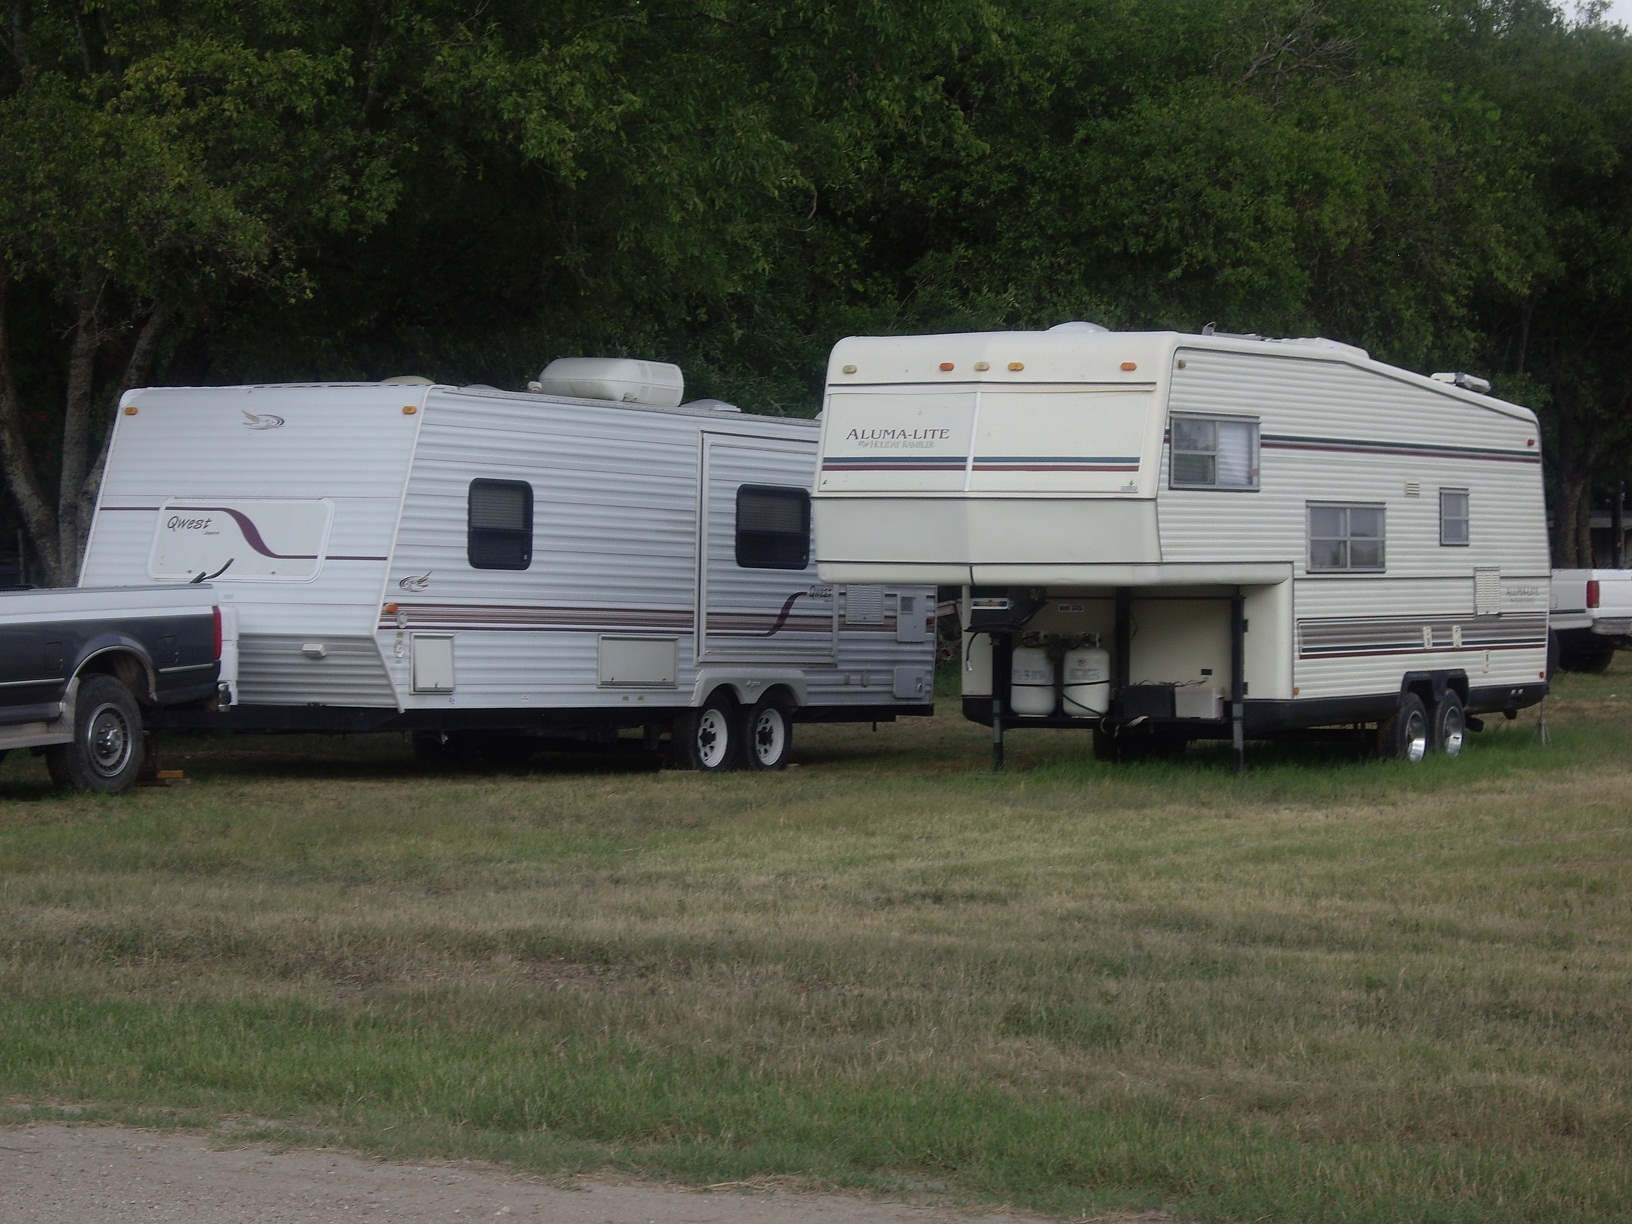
point(1349, 448)
point(1419, 649)
point(251, 533)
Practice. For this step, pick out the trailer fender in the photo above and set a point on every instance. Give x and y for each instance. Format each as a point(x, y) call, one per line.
point(749, 684)
point(1432, 685)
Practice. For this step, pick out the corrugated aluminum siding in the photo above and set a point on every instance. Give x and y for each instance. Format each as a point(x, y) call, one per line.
point(615, 550)
point(349, 444)
point(1331, 431)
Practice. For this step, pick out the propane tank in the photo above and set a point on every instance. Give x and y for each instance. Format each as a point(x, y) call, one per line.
point(1087, 681)
point(1031, 690)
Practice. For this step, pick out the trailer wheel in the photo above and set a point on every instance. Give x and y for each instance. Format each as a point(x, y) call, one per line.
point(1128, 745)
point(1450, 724)
point(706, 738)
point(105, 754)
point(767, 734)
point(1405, 736)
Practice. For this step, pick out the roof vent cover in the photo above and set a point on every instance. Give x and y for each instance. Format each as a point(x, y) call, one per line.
point(623, 380)
point(1468, 382)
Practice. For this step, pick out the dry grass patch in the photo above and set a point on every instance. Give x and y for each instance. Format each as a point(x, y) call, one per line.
point(1334, 988)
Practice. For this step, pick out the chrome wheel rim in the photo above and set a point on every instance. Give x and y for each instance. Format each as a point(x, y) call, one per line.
point(1416, 736)
point(1453, 728)
point(109, 741)
point(770, 736)
point(713, 738)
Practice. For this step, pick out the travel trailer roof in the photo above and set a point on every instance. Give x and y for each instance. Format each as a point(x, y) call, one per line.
point(1085, 354)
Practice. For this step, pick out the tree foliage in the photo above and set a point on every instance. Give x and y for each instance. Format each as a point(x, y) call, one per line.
point(284, 189)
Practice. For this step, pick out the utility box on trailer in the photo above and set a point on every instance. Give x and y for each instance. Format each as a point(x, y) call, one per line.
point(1169, 537)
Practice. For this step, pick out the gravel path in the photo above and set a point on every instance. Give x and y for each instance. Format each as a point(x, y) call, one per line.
point(104, 1174)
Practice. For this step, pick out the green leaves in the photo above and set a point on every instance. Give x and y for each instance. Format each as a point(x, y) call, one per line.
point(348, 189)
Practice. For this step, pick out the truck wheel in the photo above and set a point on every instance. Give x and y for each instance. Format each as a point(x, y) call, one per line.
point(106, 752)
point(767, 734)
point(706, 738)
point(1405, 736)
point(1450, 724)
point(1593, 659)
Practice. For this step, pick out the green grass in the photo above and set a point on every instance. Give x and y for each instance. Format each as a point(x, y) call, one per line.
point(1334, 988)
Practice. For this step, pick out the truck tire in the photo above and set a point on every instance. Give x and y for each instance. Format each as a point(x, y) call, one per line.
point(767, 734)
point(1405, 737)
point(105, 754)
point(706, 738)
point(1592, 658)
point(1450, 724)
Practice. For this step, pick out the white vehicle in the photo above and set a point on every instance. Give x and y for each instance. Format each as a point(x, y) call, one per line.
point(470, 563)
point(1592, 615)
point(1170, 537)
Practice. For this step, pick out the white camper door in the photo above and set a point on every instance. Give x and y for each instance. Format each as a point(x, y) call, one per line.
point(761, 610)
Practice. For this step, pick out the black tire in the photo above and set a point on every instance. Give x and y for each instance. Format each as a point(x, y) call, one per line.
point(1591, 659)
point(1450, 724)
point(1127, 745)
point(1406, 736)
point(105, 754)
point(706, 738)
point(767, 734)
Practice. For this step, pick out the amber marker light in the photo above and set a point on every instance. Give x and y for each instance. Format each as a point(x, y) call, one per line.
point(1130, 365)
point(391, 608)
point(947, 365)
point(130, 409)
point(409, 410)
point(1017, 365)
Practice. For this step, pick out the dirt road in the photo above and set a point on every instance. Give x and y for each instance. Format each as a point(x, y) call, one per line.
point(108, 1174)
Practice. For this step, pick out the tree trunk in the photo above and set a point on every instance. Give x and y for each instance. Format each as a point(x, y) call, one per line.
point(76, 425)
point(1564, 519)
point(138, 369)
point(16, 461)
point(1583, 525)
point(1617, 528)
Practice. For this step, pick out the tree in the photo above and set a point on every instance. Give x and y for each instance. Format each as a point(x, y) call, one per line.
point(152, 164)
point(1559, 340)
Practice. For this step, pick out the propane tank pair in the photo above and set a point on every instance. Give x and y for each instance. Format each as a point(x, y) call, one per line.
point(1085, 691)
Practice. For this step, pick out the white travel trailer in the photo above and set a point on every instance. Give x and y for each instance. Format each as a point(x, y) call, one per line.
point(587, 557)
point(1171, 537)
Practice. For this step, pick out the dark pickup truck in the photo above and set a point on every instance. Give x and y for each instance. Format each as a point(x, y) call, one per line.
point(78, 665)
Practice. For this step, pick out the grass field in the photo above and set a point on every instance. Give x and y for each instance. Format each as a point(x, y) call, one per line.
point(1333, 989)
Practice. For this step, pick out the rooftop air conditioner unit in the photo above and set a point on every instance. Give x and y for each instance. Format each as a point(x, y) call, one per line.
point(623, 380)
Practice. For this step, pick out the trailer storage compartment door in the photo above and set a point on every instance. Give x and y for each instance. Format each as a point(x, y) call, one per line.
point(758, 595)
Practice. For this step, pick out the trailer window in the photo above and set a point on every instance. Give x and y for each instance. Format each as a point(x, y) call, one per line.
point(1345, 538)
point(1453, 517)
point(1214, 453)
point(773, 527)
point(500, 526)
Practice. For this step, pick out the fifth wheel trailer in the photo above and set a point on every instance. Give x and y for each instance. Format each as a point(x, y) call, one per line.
point(1170, 537)
point(589, 556)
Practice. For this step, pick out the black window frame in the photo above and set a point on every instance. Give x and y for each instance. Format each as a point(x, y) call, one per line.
point(1465, 518)
point(478, 540)
point(1347, 538)
point(1254, 482)
point(759, 549)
